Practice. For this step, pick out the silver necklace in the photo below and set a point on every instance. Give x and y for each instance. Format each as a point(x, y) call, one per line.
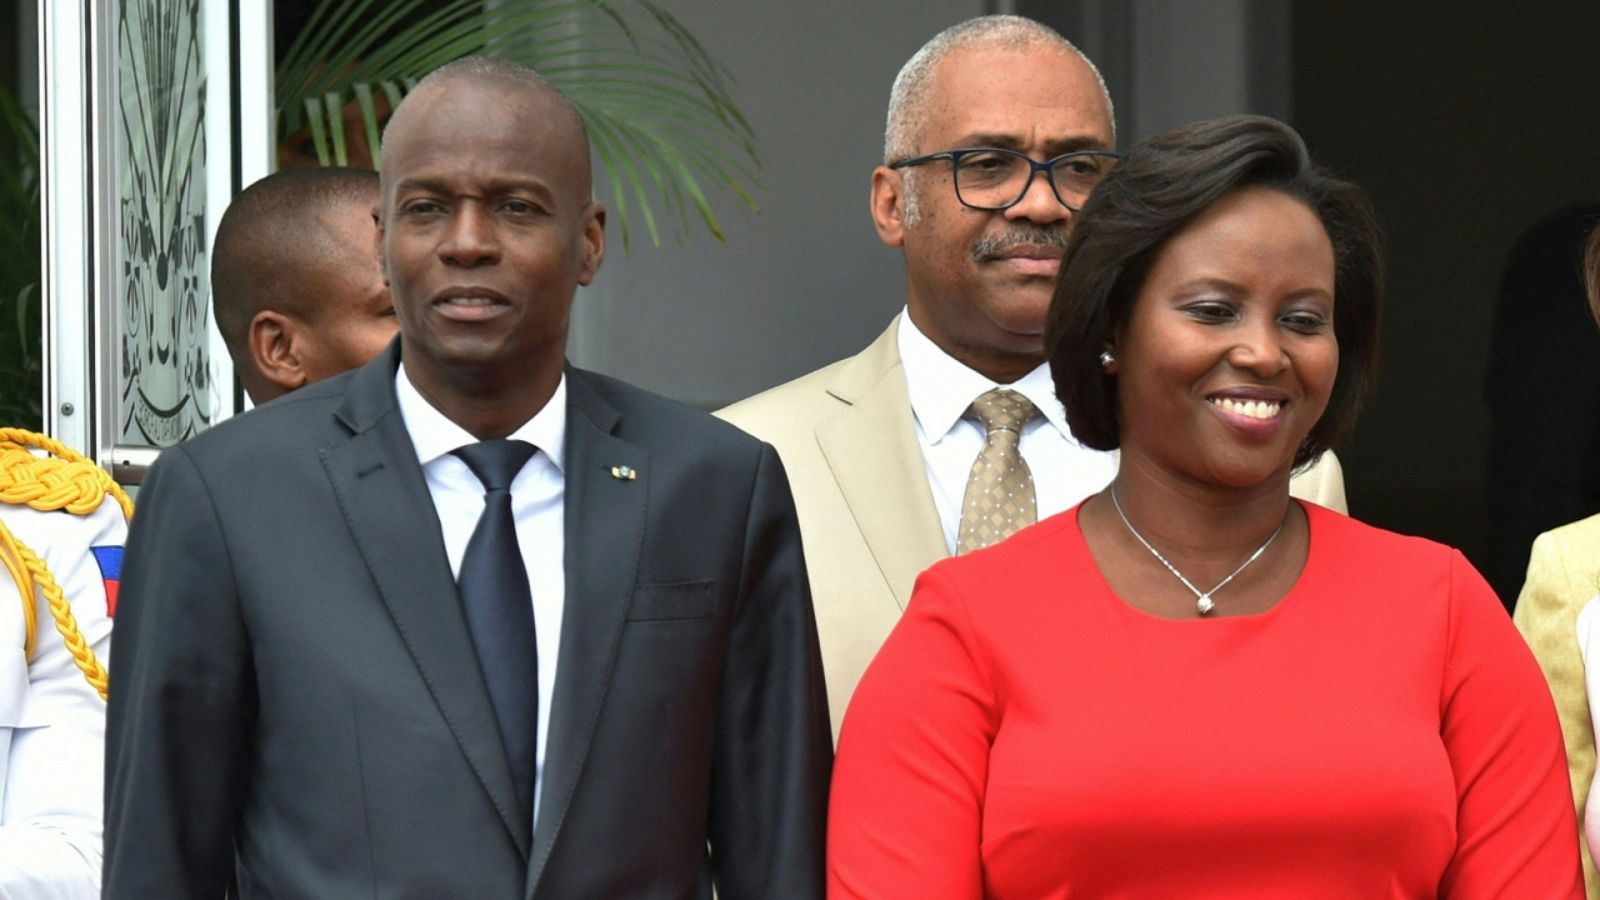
point(1202, 599)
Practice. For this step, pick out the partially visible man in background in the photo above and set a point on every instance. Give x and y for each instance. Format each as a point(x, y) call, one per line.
point(294, 281)
point(998, 129)
point(61, 541)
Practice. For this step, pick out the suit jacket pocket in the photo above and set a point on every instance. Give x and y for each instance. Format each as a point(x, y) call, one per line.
point(673, 600)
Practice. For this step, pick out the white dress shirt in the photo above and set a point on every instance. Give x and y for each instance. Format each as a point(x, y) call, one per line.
point(537, 503)
point(941, 388)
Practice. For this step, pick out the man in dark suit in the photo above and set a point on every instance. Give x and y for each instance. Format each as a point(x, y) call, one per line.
point(326, 683)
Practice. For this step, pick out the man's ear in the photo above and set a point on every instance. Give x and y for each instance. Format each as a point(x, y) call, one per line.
point(377, 242)
point(274, 340)
point(888, 205)
point(593, 245)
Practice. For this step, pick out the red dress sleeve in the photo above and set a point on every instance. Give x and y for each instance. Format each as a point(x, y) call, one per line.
point(1515, 823)
point(909, 778)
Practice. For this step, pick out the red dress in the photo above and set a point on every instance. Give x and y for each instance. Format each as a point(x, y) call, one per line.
point(1381, 732)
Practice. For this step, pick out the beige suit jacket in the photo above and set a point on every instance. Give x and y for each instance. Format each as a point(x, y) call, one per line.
point(846, 436)
point(1563, 575)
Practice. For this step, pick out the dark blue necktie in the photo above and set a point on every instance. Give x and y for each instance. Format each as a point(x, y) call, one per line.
point(499, 608)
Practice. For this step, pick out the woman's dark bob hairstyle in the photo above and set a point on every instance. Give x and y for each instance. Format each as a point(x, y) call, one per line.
point(1152, 193)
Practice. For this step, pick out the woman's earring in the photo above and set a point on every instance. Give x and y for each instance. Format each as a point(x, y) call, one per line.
point(1106, 359)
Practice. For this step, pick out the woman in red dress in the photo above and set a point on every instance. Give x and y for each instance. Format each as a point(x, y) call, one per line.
point(1191, 685)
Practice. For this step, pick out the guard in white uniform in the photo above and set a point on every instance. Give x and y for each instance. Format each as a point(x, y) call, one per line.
point(52, 667)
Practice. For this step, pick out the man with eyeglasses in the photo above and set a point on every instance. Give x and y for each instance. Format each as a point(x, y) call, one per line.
point(944, 435)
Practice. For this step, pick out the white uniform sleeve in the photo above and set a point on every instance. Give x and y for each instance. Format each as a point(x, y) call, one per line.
point(52, 723)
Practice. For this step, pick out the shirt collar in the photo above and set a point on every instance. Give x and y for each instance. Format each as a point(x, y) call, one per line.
point(434, 435)
point(941, 387)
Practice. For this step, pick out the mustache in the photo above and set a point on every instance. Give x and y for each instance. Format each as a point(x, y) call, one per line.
point(990, 246)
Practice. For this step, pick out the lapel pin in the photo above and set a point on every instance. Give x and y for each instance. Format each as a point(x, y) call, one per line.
point(624, 473)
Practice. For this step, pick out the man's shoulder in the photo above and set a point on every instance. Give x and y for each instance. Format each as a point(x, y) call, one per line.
point(789, 415)
point(299, 420)
point(796, 406)
point(1322, 483)
point(801, 399)
point(1572, 541)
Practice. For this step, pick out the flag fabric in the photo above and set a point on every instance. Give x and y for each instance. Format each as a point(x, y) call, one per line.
point(110, 560)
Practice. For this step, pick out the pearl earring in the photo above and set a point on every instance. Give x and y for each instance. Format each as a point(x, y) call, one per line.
point(1106, 359)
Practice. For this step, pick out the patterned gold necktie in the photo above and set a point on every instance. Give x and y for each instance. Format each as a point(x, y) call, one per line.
point(999, 498)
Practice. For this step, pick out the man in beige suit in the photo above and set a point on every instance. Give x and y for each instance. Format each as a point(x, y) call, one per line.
point(879, 447)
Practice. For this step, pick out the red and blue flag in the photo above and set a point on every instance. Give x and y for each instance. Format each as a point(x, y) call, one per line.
point(110, 560)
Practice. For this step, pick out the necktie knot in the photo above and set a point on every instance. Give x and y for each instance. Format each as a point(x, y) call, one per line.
point(1000, 496)
point(496, 462)
point(1003, 409)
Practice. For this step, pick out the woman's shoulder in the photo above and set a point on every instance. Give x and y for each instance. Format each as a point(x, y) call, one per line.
point(1398, 580)
point(1362, 543)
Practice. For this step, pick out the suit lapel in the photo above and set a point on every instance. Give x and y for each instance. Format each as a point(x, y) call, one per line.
point(384, 497)
point(871, 448)
point(605, 517)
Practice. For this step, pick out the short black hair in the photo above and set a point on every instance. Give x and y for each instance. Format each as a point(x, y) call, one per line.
point(505, 73)
point(1152, 193)
point(265, 232)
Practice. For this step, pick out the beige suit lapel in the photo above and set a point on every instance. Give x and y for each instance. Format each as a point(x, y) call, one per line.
point(872, 451)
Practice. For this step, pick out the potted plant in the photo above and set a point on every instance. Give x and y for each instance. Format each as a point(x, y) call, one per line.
point(660, 115)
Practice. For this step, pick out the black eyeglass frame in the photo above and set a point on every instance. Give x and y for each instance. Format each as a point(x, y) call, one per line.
point(1047, 167)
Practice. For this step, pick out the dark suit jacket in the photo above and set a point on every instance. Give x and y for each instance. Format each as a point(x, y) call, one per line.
point(295, 693)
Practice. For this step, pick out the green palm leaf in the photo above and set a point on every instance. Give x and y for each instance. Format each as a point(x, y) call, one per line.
point(661, 115)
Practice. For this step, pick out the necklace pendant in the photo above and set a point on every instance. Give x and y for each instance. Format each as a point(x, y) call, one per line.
point(1202, 601)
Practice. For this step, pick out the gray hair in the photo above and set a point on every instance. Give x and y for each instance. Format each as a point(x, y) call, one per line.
point(909, 96)
point(908, 99)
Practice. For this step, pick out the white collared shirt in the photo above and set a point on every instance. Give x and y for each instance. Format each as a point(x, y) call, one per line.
point(537, 503)
point(941, 389)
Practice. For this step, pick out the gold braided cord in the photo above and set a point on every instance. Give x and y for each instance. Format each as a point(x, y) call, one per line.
point(11, 558)
point(68, 481)
point(82, 654)
point(64, 480)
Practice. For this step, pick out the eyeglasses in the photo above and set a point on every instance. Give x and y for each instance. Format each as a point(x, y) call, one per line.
point(992, 178)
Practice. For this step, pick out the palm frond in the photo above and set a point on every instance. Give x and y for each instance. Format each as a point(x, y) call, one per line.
point(660, 108)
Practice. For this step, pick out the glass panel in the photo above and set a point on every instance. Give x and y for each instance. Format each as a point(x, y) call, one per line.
point(165, 390)
point(21, 387)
